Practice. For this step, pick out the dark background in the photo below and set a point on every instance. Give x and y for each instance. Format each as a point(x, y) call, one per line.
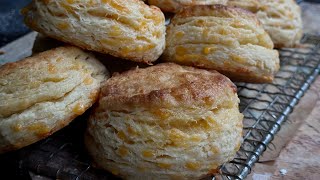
point(11, 21)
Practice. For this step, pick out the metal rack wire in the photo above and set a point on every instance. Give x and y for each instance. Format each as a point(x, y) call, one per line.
point(265, 106)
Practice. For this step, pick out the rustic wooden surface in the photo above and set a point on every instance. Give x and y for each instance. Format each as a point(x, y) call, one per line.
point(23, 46)
point(297, 155)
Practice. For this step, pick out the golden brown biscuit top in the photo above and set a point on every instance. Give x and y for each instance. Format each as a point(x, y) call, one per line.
point(219, 25)
point(216, 10)
point(166, 85)
point(175, 5)
point(251, 5)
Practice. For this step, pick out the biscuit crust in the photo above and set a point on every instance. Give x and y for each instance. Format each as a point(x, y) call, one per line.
point(251, 5)
point(43, 93)
point(130, 30)
point(229, 40)
point(175, 5)
point(165, 121)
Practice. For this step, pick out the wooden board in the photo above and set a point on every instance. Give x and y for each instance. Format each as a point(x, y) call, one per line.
point(17, 49)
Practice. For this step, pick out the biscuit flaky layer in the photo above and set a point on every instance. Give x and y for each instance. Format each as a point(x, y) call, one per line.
point(229, 40)
point(164, 122)
point(176, 5)
point(280, 18)
point(127, 29)
point(43, 93)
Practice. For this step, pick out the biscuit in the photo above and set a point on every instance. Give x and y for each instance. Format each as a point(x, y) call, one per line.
point(281, 19)
point(229, 40)
point(43, 93)
point(175, 5)
point(163, 122)
point(130, 30)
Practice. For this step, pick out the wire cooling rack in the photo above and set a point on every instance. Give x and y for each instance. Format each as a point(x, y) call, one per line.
point(265, 107)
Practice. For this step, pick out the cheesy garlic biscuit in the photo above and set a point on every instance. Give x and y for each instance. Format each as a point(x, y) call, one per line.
point(175, 5)
point(163, 122)
point(127, 29)
point(43, 93)
point(229, 40)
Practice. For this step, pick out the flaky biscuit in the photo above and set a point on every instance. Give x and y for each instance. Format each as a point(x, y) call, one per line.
point(41, 94)
point(163, 122)
point(229, 40)
point(127, 29)
point(175, 5)
point(282, 20)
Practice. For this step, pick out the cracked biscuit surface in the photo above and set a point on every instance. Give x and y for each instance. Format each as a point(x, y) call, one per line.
point(127, 29)
point(176, 5)
point(43, 93)
point(165, 122)
point(229, 40)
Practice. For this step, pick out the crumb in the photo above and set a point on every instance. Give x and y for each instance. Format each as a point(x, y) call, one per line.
point(283, 172)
